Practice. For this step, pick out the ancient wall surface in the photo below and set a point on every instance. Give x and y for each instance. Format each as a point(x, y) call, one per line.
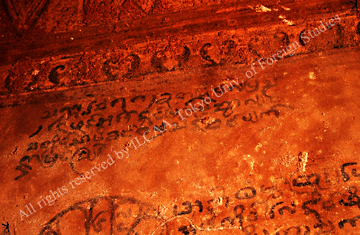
point(179, 117)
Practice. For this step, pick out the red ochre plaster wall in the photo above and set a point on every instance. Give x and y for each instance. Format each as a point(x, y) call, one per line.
point(160, 117)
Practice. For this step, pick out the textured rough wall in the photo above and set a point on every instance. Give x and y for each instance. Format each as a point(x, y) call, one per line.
point(135, 117)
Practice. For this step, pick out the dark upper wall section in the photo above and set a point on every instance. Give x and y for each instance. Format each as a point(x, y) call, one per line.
point(47, 45)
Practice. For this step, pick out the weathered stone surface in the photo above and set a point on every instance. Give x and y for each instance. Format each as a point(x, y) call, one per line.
point(223, 153)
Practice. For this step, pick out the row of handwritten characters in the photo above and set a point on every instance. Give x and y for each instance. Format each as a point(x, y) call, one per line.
point(77, 133)
point(252, 230)
point(187, 208)
point(73, 138)
point(164, 98)
point(98, 120)
point(299, 181)
point(49, 157)
point(144, 117)
point(71, 141)
point(75, 111)
point(312, 182)
point(353, 199)
point(236, 218)
point(67, 139)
